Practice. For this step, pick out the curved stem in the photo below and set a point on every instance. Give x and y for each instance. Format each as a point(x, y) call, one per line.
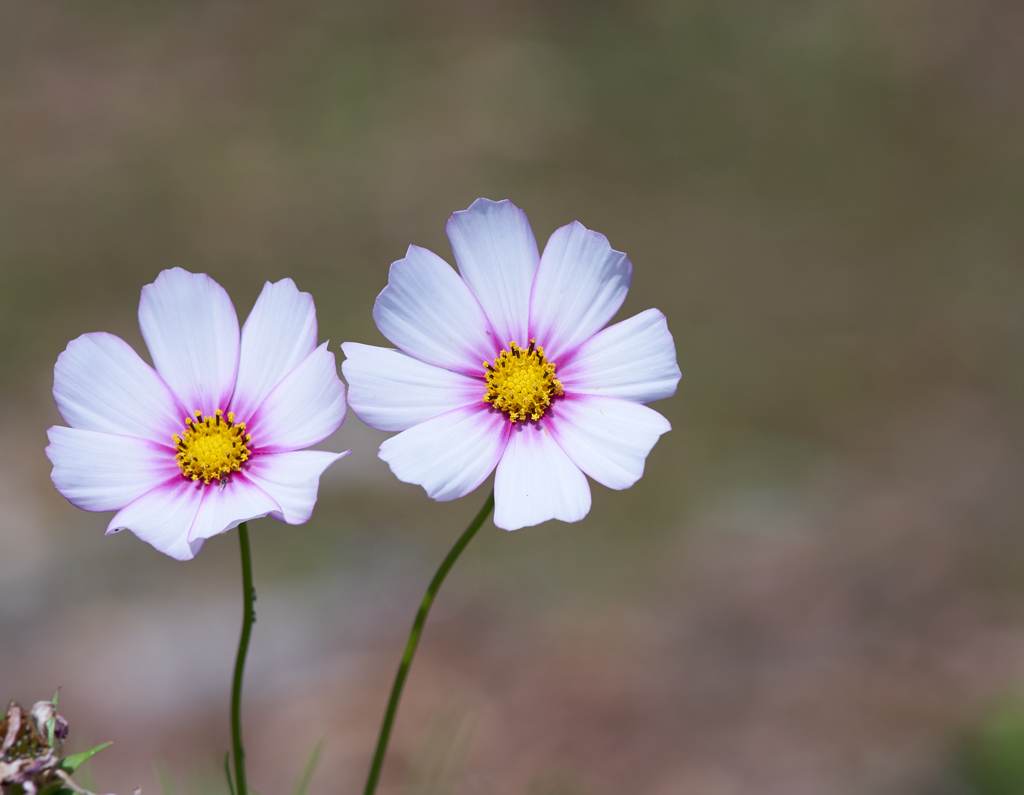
point(248, 617)
point(414, 639)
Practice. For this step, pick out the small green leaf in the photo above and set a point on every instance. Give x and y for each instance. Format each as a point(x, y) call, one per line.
point(52, 722)
point(307, 775)
point(69, 764)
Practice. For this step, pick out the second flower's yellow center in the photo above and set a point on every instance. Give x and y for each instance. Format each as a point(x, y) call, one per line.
point(521, 382)
point(211, 447)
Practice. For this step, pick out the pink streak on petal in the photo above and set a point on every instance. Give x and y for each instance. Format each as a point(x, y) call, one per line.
point(101, 384)
point(497, 255)
point(392, 391)
point(104, 472)
point(226, 505)
point(451, 454)
point(429, 312)
point(278, 335)
point(293, 480)
point(633, 360)
point(536, 481)
point(305, 408)
point(162, 517)
point(580, 285)
point(191, 330)
point(608, 438)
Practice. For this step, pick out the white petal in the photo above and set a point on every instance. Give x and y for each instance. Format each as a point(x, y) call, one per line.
point(497, 255)
point(103, 472)
point(191, 330)
point(536, 481)
point(449, 455)
point(226, 506)
point(292, 479)
point(305, 408)
point(430, 313)
point(634, 360)
point(580, 285)
point(607, 438)
point(278, 335)
point(101, 384)
point(162, 517)
point(391, 391)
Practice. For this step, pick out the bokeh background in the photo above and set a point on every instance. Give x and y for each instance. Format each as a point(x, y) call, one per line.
point(818, 586)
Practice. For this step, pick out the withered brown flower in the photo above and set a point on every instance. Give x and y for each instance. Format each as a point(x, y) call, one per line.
point(30, 745)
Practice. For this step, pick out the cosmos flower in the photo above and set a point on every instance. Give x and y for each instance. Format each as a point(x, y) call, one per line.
point(214, 435)
point(509, 366)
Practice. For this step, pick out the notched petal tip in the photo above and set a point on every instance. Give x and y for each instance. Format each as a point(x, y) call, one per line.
point(484, 205)
point(287, 281)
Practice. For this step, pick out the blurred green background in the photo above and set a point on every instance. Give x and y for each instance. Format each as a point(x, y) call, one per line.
point(816, 587)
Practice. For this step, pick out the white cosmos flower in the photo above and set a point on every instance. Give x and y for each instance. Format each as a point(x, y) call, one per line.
point(507, 366)
point(213, 436)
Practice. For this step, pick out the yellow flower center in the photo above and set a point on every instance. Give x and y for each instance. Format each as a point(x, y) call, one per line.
point(211, 447)
point(521, 382)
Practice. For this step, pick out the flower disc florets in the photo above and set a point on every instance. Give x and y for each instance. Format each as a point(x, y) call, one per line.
point(212, 447)
point(521, 382)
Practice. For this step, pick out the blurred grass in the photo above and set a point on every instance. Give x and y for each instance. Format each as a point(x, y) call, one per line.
point(992, 755)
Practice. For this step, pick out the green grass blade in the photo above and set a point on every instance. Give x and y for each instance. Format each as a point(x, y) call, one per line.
point(307, 775)
point(227, 772)
point(52, 722)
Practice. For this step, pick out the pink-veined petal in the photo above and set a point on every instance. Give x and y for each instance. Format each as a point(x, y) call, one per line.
point(101, 384)
point(608, 438)
point(162, 517)
point(305, 408)
point(449, 455)
point(497, 255)
point(428, 311)
point(278, 335)
point(103, 472)
point(392, 391)
point(227, 505)
point(292, 479)
point(633, 360)
point(580, 285)
point(191, 330)
point(536, 481)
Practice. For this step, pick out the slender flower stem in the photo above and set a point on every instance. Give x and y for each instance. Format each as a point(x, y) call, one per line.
point(414, 639)
point(248, 617)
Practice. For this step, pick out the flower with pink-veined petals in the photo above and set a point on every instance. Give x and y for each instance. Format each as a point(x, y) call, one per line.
point(508, 364)
point(211, 437)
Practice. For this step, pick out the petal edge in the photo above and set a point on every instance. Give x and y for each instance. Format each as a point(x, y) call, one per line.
point(449, 455)
point(536, 481)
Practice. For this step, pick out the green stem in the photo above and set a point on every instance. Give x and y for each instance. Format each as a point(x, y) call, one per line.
point(248, 617)
point(414, 639)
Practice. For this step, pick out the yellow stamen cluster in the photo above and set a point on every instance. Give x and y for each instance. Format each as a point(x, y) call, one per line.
point(212, 447)
point(521, 382)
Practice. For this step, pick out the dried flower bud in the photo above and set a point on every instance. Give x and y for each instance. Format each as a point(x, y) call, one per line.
point(29, 762)
point(41, 714)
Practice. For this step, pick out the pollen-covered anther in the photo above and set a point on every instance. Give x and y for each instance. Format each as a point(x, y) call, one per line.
point(211, 448)
point(521, 382)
